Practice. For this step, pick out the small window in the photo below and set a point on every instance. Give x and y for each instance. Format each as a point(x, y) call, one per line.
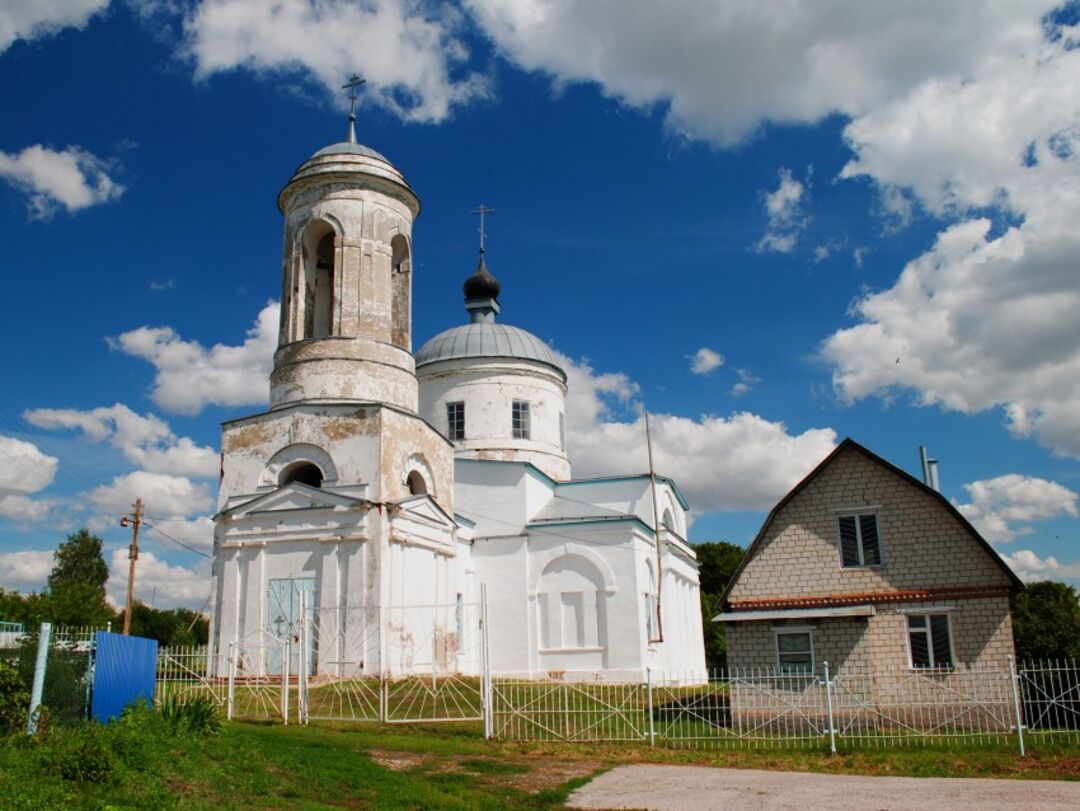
point(520, 416)
point(929, 640)
point(455, 421)
point(795, 652)
point(860, 544)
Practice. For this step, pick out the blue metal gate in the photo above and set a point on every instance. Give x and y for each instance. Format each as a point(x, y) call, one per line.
point(125, 668)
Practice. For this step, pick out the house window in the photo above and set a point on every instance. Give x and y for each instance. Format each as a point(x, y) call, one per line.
point(929, 640)
point(520, 419)
point(795, 651)
point(455, 421)
point(860, 544)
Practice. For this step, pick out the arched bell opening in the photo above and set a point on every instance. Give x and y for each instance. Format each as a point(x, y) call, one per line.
point(320, 276)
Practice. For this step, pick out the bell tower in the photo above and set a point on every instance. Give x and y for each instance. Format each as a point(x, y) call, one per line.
point(346, 332)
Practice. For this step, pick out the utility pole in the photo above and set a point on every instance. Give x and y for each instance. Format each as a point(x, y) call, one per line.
point(133, 555)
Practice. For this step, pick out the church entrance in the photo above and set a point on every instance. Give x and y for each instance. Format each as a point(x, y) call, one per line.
point(285, 597)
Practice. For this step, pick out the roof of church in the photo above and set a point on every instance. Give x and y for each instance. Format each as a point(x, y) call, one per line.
point(487, 340)
point(345, 148)
point(562, 509)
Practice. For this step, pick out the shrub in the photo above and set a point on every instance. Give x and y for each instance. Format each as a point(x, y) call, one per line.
point(197, 715)
point(14, 698)
point(81, 755)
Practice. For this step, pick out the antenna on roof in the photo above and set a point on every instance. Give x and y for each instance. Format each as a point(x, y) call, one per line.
point(929, 470)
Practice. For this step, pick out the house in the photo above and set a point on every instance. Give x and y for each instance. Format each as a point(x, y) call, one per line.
point(384, 492)
point(865, 567)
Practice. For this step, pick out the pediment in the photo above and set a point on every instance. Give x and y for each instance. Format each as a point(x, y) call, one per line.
point(296, 496)
point(425, 509)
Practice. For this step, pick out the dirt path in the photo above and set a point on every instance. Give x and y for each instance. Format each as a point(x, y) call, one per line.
point(697, 787)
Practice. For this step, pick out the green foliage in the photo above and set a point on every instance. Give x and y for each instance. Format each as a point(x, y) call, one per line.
point(14, 697)
point(1046, 622)
point(76, 594)
point(82, 755)
point(718, 560)
point(177, 626)
point(196, 715)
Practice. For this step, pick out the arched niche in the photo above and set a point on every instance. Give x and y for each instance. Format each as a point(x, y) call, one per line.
point(401, 292)
point(419, 479)
point(571, 605)
point(289, 458)
point(320, 275)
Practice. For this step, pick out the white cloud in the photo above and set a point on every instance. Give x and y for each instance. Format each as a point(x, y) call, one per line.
point(166, 584)
point(25, 571)
point(998, 504)
point(705, 360)
point(198, 533)
point(190, 376)
point(25, 469)
point(724, 68)
point(747, 381)
point(735, 463)
point(410, 52)
point(72, 178)
point(786, 212)
point(987, 317)
point(164, 497)
point(33, 19)
point(144, 440)
point(1030, 567)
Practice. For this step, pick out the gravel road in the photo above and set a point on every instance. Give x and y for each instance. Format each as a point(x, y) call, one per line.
point(697, 787)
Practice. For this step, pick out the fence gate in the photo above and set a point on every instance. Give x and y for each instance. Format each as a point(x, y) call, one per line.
point(255, 690)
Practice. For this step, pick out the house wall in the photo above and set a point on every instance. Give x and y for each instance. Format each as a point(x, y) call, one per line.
point(980, 629)
point(922, 543)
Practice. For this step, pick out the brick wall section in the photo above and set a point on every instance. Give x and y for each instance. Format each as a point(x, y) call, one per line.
point(981, 636)
point(922, 544)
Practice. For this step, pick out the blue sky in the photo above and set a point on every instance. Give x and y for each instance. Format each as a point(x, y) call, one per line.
point(773, 229)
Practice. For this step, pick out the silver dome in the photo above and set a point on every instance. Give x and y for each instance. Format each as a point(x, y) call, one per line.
point(487, 340)
point(345, 148)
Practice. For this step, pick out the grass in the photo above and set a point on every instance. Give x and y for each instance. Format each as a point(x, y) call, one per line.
point(143, 762)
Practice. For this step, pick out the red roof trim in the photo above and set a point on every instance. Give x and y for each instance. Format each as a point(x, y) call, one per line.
point(862, 598)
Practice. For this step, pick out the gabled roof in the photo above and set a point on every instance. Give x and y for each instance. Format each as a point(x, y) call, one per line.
point(281, 498)
point(851, 444)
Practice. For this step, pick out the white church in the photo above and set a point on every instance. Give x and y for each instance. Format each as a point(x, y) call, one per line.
point(385, 491)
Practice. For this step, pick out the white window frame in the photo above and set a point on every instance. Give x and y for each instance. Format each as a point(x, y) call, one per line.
point(450, 424)
point(778, 631)
point(857, 513)
point(525, 409)
point(946, 611)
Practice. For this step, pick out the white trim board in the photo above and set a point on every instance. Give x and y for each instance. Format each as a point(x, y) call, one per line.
point(796, 613)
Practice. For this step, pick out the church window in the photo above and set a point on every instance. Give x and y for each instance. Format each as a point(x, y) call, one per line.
point(455, 421)
point(317, 301)
point(520, 419)
point(416, 484)
point(302, 473)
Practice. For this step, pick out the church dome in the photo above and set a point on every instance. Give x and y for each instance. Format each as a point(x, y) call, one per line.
point(345, 148)
point(481, 284)
point(487, 340)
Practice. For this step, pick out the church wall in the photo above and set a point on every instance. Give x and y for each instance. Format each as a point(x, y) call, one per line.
point(494, 496)
point(502, 563)
point(488, 387)
point(409, 443)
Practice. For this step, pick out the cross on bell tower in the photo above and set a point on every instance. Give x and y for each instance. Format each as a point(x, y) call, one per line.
point(354, 82)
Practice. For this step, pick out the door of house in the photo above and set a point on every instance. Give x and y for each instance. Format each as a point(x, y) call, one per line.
point(285, 597)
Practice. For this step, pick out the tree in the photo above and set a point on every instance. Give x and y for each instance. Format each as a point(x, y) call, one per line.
point(76, 593)
point(177, 626)
point(718, 561)
point(1046, 621)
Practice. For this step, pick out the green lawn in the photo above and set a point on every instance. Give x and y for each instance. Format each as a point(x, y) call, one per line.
point(135, 764)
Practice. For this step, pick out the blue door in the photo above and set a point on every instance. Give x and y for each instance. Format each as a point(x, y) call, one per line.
point(285, 597)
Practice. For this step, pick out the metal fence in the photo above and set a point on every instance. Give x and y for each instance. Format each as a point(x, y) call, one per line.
point(769, 708)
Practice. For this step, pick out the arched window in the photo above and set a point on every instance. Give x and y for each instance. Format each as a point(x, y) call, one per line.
point(668, 520)
point(302, 472)
point(416, 484)
point(319, 277)
point(400, 292)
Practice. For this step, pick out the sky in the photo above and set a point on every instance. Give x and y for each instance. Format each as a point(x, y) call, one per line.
point(771, 225)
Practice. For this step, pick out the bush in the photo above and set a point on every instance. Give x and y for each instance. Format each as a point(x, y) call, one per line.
point(14, 698)
point(81, 755)
point(197, 715)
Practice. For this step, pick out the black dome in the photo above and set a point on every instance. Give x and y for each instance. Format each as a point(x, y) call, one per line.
point(481, 284)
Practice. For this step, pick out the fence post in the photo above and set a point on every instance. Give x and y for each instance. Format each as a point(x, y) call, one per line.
point(91, 649)
point(485, 685)
point(302, 664)
point(285, 681)
point(232, 681)
point(828, 702)
point(648, 684)
point(1013, 681)
point(44, 639)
